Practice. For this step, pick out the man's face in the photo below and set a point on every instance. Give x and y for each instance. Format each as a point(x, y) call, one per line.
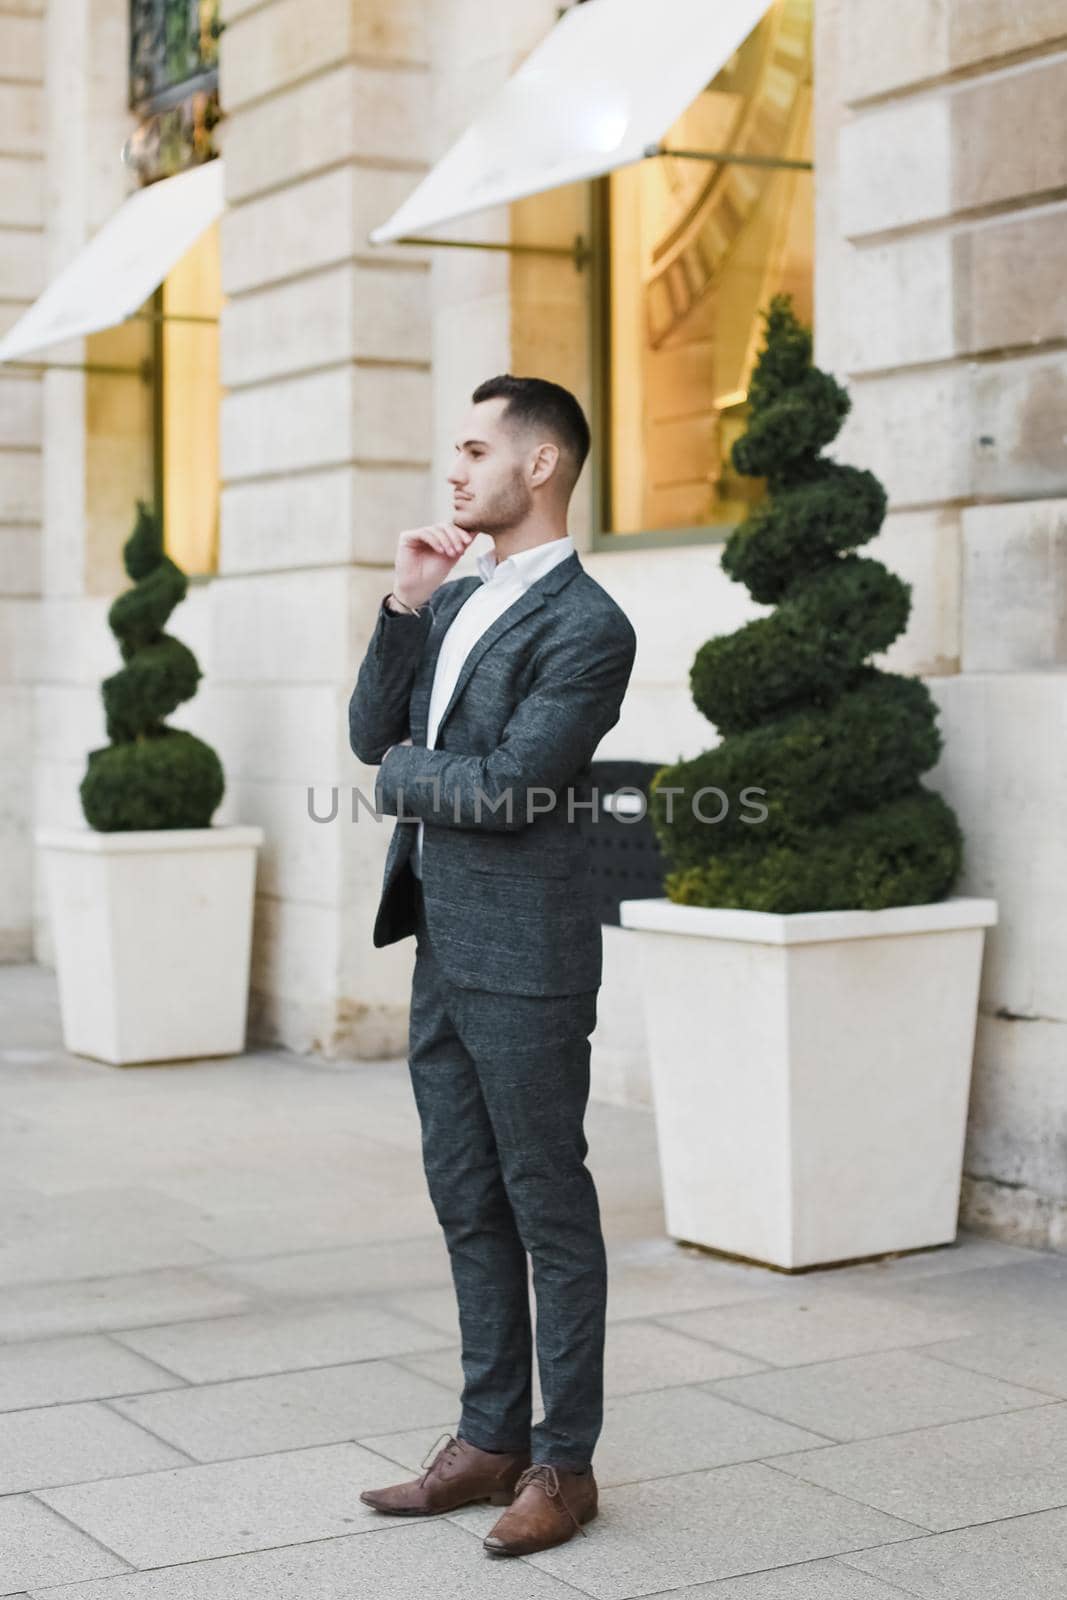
point(490, 493)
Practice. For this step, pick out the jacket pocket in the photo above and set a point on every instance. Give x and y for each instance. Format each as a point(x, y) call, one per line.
point(549, 865)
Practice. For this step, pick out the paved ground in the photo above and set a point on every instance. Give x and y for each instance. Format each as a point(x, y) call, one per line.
point(225, 1309)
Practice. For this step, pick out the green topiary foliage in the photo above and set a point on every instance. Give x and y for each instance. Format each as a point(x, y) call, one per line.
point(835, 745)
point(150, 776)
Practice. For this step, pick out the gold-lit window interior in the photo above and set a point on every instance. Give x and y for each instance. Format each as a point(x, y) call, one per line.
point(696, 251)
point(189, 401)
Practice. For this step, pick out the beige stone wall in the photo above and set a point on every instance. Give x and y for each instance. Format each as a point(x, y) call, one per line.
point(326, 429)
point(21, 274)
point(944, 203)
point(95, 424)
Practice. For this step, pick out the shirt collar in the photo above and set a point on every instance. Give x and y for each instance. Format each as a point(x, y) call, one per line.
point(526, 565)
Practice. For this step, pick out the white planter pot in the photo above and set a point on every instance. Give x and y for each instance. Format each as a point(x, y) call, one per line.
point(153, 936)
point(811, 1073)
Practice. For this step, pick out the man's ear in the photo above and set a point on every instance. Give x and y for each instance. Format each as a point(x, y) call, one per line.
point(544, 463)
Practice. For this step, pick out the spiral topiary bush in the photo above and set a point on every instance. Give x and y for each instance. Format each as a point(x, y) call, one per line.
point(836, 746)
point(149, 776)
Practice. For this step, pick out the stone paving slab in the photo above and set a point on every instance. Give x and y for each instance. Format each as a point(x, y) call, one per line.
point(68, 1444)
point(256, 1416)
point(263, 1342)
point(1029, 1294)
point(657, 1277)
point(37, 1311)
point(813, 1580)
point(818, 1326)
point(84, 1367)
point(434, 1307)
point(1023, 1558)
point(366, 1268)
point(421, 1560)
point(37, 1547)
point(1034, 1357)
point(690, 1529)
point(949, 1477)
point(864, 1396)
point(195, 1513)
point(86, 1252)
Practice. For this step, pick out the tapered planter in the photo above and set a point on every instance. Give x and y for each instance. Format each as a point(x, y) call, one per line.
point(811, 1073)
point(153, 936)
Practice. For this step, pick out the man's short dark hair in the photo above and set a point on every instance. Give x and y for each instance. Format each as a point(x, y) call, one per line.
point(539, 403)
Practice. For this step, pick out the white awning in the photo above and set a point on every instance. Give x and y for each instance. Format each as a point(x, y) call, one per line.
point(609, 81)
point(123, 263)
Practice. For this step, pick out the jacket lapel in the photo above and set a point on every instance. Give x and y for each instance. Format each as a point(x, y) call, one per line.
point(527, 603)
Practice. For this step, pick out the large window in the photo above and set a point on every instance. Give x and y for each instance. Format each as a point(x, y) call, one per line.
point(174, 91)
point(695, 250)
point(187, 407)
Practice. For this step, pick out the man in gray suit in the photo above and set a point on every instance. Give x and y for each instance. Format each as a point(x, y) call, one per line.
point(484, 700)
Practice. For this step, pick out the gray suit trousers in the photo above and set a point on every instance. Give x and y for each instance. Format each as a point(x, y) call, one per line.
point(501, 1082)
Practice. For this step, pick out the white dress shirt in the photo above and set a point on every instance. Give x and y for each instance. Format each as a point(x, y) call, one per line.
point(502, 584)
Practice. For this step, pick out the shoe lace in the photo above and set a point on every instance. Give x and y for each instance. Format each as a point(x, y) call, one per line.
point(548, 1478)
point(438, 1450)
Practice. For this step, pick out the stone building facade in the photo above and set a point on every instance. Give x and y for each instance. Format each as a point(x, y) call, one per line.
point(940, 213)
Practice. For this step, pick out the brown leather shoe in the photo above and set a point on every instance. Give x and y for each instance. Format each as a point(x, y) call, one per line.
point(459, 1475)
point(549, 1508)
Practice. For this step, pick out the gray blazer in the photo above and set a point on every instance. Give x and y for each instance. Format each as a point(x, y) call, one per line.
point(505, 872)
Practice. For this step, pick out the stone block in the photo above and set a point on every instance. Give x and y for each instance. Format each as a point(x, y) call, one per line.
point(327, 418)
point(930, 39)
point(288, 426)
point(20, 411)
point(1005, 136)
point(21, 191)
point(20, 486)
point(321, 518)
point(923, 548)
point(1004, 770)
point(1015, 586)
point(284, 627)
point(268, 47)
point(1019, 423)
point(983, 30)
point(22, 118)
point(876, 60)
point(21, 264)
point(346, 312)
point(315, 223)
point(1009, 290)
point(900, 303)
point(22, 47)
point(20, 560)
point(1018, 1115)
point(896, 165)
point(913, 431)
point(346, 111)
